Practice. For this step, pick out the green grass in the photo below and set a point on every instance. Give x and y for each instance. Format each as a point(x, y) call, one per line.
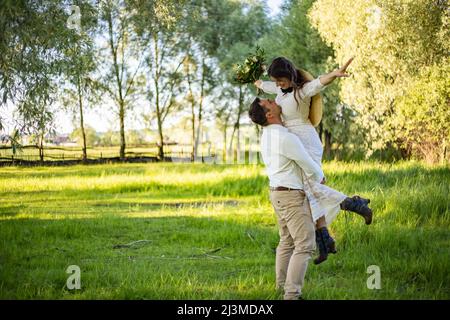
point(211, 232)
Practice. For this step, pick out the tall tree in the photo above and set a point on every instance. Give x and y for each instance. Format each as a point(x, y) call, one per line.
point(157, 26)
point(81, 88)
point(245, 25)
point(224, 112)
point(32, 42)
point(121, 59)
point(189, 70)
point(199, 20)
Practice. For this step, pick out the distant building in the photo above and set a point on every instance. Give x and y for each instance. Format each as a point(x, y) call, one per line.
point(60, 139)
point(4, 138)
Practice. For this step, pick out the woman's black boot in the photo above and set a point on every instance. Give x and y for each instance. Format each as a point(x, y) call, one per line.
point(329, 241)
point(358, 205)
point(323, 251)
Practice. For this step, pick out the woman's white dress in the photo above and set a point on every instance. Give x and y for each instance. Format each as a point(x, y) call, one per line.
point(324, 201)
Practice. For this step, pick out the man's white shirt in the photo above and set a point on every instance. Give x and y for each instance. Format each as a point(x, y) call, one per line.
point(285, 157)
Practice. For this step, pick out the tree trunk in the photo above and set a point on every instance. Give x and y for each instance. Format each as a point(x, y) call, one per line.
point(161, 141)
point(193, 151)
point(122, 130)
point(41, 146)
point(200, 106)
point(237, 123)
point(224, 151)
point(121, 100)
point(83, 133)
point(327, 144)
point(320, 131)
point(159, 121)
point(192, 100)
point(444, 153)
point(158, 107)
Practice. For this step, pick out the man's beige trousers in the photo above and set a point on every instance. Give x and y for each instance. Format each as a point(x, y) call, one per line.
point(297, 240)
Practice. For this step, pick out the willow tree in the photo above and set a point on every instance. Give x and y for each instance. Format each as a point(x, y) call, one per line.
point(81, 89)
point(34, 35)
point(120, 58)
point(244, 25)
point(156, 24)
point(393, 41)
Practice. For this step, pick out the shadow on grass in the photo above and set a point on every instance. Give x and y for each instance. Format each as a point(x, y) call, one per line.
point(169, 205)
point(11, 210)
point(151, 258)
point(365, 179)
point(205, 258)
point(97, 170)
point(225, 186)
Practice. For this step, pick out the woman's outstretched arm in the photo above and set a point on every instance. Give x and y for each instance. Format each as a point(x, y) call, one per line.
point(313, 87)
point(266, 86)
point(338, 73)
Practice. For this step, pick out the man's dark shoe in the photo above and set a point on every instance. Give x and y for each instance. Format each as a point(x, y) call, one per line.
point(323, 251)
point(358, 205)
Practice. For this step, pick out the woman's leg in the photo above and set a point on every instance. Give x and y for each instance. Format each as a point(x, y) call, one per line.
point(321, 223)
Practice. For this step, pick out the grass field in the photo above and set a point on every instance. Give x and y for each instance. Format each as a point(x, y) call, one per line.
point(210, 232)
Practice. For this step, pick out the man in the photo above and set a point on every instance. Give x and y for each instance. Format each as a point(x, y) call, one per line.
point(284, 156)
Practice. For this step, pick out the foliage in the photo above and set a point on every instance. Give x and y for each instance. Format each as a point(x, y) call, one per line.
point(92, 138)
point(34, 37)
point(392, 40)
point(131, 50)
point(423, 122)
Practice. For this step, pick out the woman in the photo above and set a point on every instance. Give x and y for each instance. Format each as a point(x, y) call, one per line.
point(295, 90)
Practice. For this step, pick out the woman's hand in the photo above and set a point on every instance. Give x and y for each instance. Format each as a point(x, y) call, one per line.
point(341, 72)
point(258, 83)
point(338, 73)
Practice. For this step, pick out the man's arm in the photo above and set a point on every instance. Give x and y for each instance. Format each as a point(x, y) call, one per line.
point(294, 149)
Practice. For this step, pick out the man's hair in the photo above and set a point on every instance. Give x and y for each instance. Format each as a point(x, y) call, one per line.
point(257, 113)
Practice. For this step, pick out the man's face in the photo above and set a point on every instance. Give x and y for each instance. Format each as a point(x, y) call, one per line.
point(273, 110)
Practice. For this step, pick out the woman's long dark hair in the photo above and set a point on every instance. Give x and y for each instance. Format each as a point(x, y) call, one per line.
point(283, 68)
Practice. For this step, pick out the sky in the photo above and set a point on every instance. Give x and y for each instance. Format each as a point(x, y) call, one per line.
point(274, 5)
point(101, 120)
